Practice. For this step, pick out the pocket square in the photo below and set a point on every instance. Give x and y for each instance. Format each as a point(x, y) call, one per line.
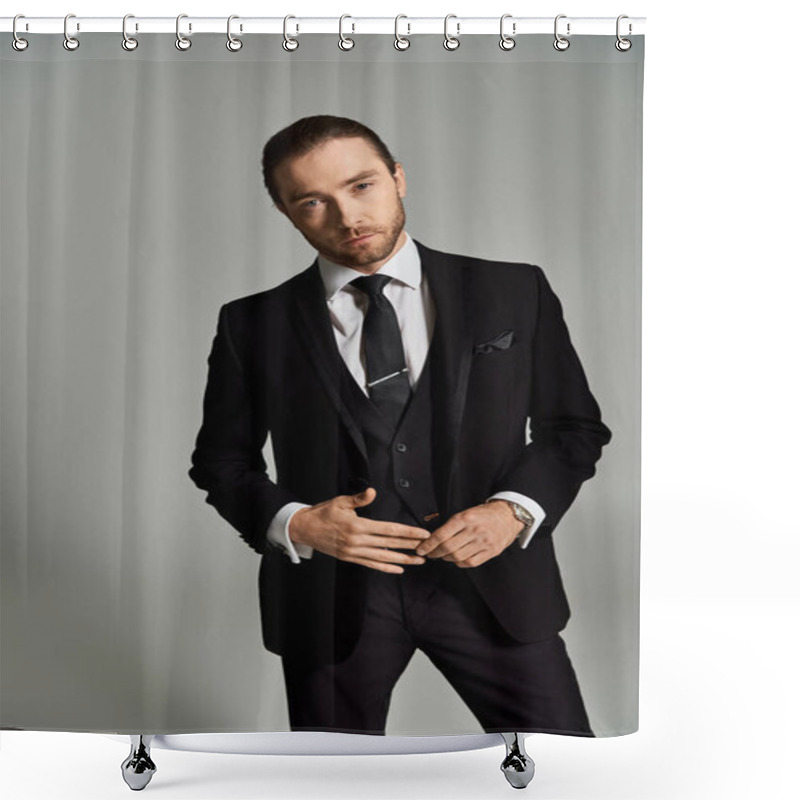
point(500, 342)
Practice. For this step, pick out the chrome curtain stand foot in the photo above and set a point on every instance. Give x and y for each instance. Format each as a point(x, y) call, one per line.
point(517, 766)
point(138, 768)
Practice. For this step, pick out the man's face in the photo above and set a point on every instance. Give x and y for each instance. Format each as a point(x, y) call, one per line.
point(345, 202)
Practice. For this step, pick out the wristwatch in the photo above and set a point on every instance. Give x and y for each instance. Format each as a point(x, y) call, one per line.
point(520, 512)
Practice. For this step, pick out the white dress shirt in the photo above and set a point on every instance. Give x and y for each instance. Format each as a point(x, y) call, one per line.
point(410, 295)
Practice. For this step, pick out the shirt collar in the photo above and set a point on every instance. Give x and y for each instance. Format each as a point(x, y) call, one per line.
point(404, 265)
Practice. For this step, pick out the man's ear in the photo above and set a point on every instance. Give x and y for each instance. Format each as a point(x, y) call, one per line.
point(400, 179)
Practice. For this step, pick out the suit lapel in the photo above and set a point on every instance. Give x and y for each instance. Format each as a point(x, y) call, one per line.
point(451, 360)
point(313, 325)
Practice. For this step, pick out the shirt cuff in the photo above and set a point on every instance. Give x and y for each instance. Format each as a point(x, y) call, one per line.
point(531, 506)
point(278, 533)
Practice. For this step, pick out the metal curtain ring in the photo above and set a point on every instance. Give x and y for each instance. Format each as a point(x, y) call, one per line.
point(451, 42)
point(70, 42)
point(181, 42)
point(400, 42)
point(623, 45)
point(128, 42)
point(507, 42)
point(289, 43)
point(561, 43)
point(18, 43)
point(345, 43)
point(233, 44)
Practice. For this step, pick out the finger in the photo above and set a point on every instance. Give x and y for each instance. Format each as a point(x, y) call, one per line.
point(380, 566)
point(473, 559)
point(452, 527)
point(385, 555)
point(394, 529)
point(361, 498)
point(368, 540)
point(460, 552)
point(384, 560)
point(462, 547)
point(451, 546)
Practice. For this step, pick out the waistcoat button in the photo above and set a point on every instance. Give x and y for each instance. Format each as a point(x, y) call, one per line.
point(404, 483)
point(401, 447)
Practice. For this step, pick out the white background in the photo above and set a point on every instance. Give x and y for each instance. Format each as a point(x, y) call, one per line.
point(720, 597)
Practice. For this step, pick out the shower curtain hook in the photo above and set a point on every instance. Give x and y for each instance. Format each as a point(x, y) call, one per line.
point(561, 43)
point(181, 42)
point(233, 44)
point(345, 43)
point(290, 44)
point(623, 45)
point(400, 42)
point(128, 42)
point(507, 42)
point(70, 42)
point(451, 42)
point(18, 43)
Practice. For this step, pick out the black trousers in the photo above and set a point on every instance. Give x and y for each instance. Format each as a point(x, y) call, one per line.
point(509, 686)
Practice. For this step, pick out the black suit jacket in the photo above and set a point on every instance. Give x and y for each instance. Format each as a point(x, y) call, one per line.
point(502, 357)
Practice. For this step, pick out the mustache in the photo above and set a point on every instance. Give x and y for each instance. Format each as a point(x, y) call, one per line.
point(358, 235)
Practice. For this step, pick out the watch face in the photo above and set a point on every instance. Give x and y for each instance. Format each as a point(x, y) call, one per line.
point(522, 514)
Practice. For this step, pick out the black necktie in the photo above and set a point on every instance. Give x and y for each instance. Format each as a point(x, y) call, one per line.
point(387, 373)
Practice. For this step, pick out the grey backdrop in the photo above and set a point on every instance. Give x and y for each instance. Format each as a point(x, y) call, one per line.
point(132, 207)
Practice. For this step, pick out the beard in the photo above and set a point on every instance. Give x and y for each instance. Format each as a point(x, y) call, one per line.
point(378, 248)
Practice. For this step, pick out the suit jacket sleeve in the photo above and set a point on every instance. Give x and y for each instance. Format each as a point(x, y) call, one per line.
point(227, 461)
point(566, 431)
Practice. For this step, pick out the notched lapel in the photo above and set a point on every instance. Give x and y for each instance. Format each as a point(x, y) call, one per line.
point(451, 350)
point(313, 326)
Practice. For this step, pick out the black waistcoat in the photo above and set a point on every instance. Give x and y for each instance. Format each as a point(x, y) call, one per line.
point(400, 459)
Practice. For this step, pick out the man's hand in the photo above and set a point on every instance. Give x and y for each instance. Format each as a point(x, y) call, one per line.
point(334, 528)
point(474, 535)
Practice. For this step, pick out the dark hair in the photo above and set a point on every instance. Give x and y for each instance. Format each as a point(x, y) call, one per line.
point(304, 135)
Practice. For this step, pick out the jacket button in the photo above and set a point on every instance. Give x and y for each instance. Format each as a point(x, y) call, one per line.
point(401, 447)
point(404, 483)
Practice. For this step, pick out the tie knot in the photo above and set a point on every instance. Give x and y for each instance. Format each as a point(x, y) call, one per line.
point(372, 284)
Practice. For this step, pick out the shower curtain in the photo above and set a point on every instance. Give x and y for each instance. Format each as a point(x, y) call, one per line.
point(177, 378)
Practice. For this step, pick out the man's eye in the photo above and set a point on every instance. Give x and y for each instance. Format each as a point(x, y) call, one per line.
point(310, 203)
point(362, 185)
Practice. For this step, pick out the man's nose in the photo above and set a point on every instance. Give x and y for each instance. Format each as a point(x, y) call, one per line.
point(349, 213)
